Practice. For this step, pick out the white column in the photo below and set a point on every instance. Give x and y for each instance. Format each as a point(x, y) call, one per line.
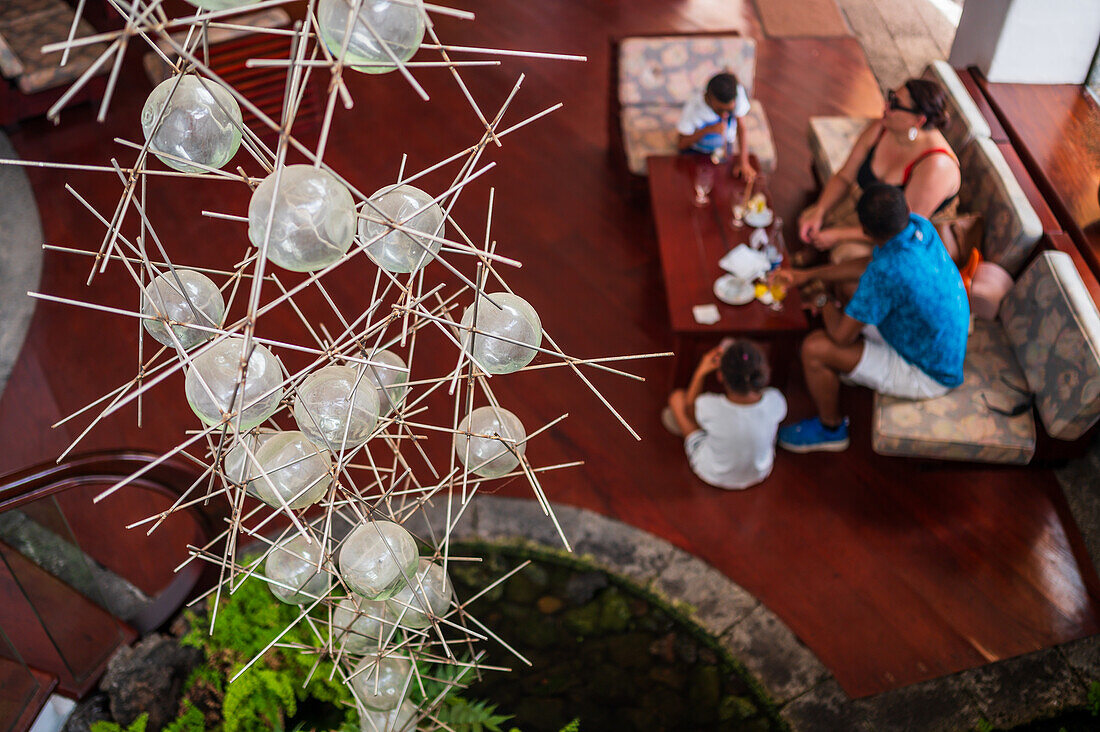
point(1028, 41)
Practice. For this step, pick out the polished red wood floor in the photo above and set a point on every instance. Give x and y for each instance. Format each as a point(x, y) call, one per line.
point(891, 570)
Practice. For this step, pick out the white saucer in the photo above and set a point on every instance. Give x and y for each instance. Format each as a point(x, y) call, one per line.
point(733, 291)
point(759, 220)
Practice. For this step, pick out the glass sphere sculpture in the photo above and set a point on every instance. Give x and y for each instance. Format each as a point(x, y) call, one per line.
point(221, 4)
point(381, 683)
point(398, 25)
point(292, 470)
point(377, 558)
point(294, 568)
point(389, 382)
point(479, 444)
point(314, 220)
point(359, 626)
point(427, 595)
point(412, 208)
point(237, 466)
point(402, 719)
point(336, 407)
point(515, 319)
point(218, 366)
point(198, 302)
point(201, 124)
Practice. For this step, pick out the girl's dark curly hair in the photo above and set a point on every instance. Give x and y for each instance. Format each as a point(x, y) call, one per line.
point(930, 98)
point(744, 368)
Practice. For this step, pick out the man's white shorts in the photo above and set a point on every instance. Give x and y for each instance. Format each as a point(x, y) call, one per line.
point(883, 369)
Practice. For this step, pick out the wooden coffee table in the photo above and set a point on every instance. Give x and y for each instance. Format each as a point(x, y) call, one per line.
point(692, 239)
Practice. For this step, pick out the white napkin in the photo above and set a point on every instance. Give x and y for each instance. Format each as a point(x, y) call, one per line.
point(745, 263)
point(706, 314)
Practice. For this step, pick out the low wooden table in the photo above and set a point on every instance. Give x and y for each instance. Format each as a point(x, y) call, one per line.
point(692, 240)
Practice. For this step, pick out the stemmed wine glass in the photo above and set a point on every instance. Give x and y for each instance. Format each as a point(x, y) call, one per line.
point(704, 183)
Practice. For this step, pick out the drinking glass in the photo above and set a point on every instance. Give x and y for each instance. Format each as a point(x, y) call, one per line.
point(704, 183)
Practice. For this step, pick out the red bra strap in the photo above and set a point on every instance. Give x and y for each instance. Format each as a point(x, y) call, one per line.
point(922, 156)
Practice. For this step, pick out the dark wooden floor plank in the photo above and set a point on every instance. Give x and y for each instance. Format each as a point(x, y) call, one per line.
point(893, 571)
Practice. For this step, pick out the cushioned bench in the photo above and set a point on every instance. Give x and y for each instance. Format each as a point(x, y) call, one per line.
point(1047, 336)
point(1046, 341)
point(656, 75)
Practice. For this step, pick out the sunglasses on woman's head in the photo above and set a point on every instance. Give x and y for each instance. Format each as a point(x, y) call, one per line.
point(893, 102)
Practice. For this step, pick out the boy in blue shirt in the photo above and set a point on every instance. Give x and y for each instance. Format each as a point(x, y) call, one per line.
point(904, 331)
point(708, 121)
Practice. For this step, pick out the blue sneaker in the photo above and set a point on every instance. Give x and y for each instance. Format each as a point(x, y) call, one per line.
point(810, 435)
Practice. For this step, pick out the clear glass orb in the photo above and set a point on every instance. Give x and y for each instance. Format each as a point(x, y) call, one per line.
point(237, 467)
point(402, 719)
point(202, 123)
point(377, 558)
point(221, 4)
point(218, 366)
point(296, 564)
point(397, 251)
point(297, 472)
point(335, 401)
point(359, 626)
point(198, 302)
point(314, 220)
point(427, 595)
point(381, 683)
point(399, 25)
point(515, 319)
point(389, 382)
point(486, 442)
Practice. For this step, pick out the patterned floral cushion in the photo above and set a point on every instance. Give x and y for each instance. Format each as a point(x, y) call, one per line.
point(651, 130)
point(1012, 228)
point(959, 426)
point(831, 139)
point(1054, 327)
point(669, 69)
point(966, 121)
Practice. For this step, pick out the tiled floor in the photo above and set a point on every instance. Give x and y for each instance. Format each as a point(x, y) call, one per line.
point(900, 37)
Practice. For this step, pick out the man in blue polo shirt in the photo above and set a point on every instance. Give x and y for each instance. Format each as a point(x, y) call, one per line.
point(904, 331)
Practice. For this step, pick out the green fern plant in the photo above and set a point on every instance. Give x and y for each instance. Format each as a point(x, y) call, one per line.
point(138, 725)
point(458, 713)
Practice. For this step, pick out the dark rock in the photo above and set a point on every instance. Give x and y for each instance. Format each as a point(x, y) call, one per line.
point(583, 620)
point(527, 584)
point(148, 677)
point(664, 648)
point(583, 586)
point(611, 684)
point(86, 713)
point(536, 634)
point(548, 604)
point(668, 676)
point(704, 692)
point(629, 650)
point(736, 708)
point(614, 612)
point(687, 649)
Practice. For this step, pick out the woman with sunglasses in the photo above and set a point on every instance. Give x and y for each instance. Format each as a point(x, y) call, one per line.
point(906, 149)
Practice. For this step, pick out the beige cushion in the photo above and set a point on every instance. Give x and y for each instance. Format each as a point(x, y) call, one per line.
point(1012, 228)
point(651, 130)
point(958, 425)
point(831, 139)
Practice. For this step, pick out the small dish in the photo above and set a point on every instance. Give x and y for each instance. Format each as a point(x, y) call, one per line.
point(733, 291)
point(759, 220)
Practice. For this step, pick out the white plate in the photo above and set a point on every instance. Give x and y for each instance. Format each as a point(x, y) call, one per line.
point(759, 220)
point(733, 291)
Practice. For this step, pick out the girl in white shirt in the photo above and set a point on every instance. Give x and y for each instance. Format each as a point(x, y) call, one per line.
point(730, 438)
